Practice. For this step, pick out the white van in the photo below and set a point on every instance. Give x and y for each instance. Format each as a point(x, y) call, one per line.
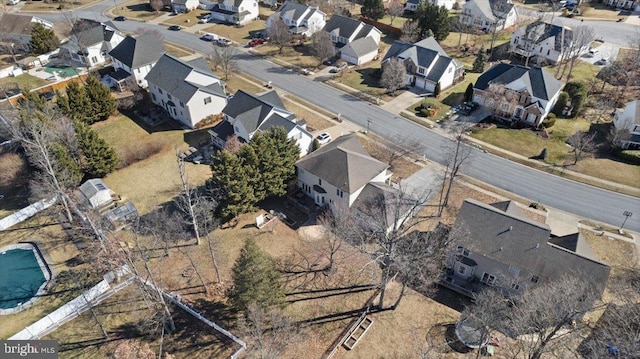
point(14, 2)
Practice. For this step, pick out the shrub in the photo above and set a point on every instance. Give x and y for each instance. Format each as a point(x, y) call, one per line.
point(139, 151)
point(549, 122)
point(631, 156)
point(425, 112)
point(455, 6)
point(560, 104)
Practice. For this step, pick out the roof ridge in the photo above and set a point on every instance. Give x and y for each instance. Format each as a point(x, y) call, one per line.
point(503, 213)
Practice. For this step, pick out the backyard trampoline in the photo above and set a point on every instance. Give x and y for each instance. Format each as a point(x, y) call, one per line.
point(23, 277)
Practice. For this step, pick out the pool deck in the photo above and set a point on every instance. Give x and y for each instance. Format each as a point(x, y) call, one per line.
point(46, 272)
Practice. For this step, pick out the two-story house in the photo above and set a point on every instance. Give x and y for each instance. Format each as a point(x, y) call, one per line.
point(412, 5)
point(187, 90)
point(427, 64)
point(247, 114)
point(488, 15)
point(301, 19)
point(91, 41)
point(628, 118)
point(545, 42)
point(517, 93)
point(498, 245)
point(337, 173)
point(179, 6)
point(356, 41)
point(134, 57)
point(16, 30)
point(624, 4)
point(236, 12)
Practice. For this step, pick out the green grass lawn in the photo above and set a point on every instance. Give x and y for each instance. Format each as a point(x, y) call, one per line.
point(581, 71)
point(429, 101)
point(363, 78)
point(24, 81)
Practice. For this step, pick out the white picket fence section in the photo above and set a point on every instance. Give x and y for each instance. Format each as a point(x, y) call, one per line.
point(25, 213)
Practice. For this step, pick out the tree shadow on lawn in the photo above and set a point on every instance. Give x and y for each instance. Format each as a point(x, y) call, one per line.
point(454, 98)
point(168, 125)
point(369, 77)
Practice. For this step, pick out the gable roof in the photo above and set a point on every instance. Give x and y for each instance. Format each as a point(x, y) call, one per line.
point(540, 31)
point(360, 47)
point(490, 8)
point(170, 74)
point(252, 110)
point(538, 82)
point(136, 52)
point(423, 53)
point(518, 241)
point(346, 26)
point(90, 32)
point(343, 163)
point(16, 24)
point(294, 11)
point(391, 201)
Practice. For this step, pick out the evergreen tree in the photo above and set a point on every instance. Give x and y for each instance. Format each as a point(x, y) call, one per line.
point(479, 62)
point(66, 164)
point(276, 166)
point(76, 104)
point(99, 159)
point(100, 98)
point(255, 279)
point(43, 39)
point(373, 9)
point(468, 93)
point(435, 18)
point(436, 91)
point(233, 178)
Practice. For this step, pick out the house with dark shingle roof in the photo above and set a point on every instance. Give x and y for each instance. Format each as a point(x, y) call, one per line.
point(544, 42)
point(235, 11)
point(301, 19)
point(135, 57)
point(628, 118)
point(91, 41)
point(337, 173)
point(187, 90)
point(412, 5)
point(426, 63)
point(488, 15)
point(530, 92)
point(498, 245)
point(247, 114)
point(345, 30)
point(16, 29)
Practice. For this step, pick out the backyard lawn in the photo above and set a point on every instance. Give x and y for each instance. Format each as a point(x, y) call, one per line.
point(24, 81)
point(137, 9)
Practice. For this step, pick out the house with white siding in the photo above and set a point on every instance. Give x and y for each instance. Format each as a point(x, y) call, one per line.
point(412, 5)
point(346, 31)
point(301, 19)
point(134, 57)
point(91, 41)
point(179, 6)
point(247, 114)
point(529, 92)
point(628, 118)
point(16, 30)
point(489, 14)
point(427, 64)
point(187, 90)
point(236, 12)
point(544, 42)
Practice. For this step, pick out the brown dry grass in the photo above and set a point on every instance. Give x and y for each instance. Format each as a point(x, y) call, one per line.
point(240, 35)
point(313, 119)
point(176, 50)
point(45, 6)
point(13, 176)
point(136, 9)
point(402, 167)
point(187, 19)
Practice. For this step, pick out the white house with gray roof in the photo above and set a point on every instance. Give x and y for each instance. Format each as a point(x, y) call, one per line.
point(301, 19)
point(489, 14)
point(628, 118)
point(545, 42)
point(16, 29)
point(134, 57)
point(179, 6)
point(531, 92)
point(91, 41)
point(235, 11)
point(247, 114)
point(337, 173)
point(498, 245)
point(412, 5)
point(345, 31)
point(187, 90)
point(427, 64)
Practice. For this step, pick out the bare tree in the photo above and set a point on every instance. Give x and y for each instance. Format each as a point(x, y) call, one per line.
point(279, 33)
point(268, 332)
point(617, 136)
point(187, 200)
point(395, 9)
point(232, 144)
point(224, 58)
point(394, 75)
point(582, 143)
point(156, 5)
point(500, 10)
point(205, 213)
point(581, 39)
point(459, 27)
point(410, 31)
point(396, 148)
point(457, 155)
point(322, 46)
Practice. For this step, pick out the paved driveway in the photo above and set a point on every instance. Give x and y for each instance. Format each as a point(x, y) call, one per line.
point(607, 51)
point(424, 183)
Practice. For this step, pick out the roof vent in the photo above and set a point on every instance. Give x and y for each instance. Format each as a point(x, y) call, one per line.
point(510, 228)
point(537, 245)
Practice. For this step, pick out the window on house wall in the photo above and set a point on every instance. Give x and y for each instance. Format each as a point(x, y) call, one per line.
point(207, 100)
point(548, 52)
point(515, 286)
point(421, 70)
point(488, 278)
point(535, 279)
point(462, 251)
point(94, 59)
point(462, 269)
point(181, 104)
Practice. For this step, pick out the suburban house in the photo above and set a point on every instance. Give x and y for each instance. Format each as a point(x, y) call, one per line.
point(517, 93)
point(134, 57)
point(15, 30)
point(488, 15)
point(624, 4)
point(337, 173)
point(301, 19)
point(498, 245)
point(345, 31)
point(544, 42)
point(426, 63)
point(91, 41)
point(412, 5)
point(179, 6)
point(187, 90)
point(628, 118)
point(235, 11)
point(247, 114)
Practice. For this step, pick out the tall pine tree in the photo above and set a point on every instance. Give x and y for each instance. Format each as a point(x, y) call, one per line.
point(101, 99)
point(43, 39)
point(373, 9)
point(76, 104)
point(98, 158)
point(232, 177)
point(468, 93)
point(255, 279)
point(478, 63)
point(278, 155)
point(435, 18)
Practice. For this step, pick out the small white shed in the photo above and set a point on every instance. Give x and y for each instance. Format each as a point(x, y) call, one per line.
point(96, 193)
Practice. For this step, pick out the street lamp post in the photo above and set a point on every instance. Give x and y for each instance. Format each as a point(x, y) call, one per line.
point(368, 124)
point(626, 215)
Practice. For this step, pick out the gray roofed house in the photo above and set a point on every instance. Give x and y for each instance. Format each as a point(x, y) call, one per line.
point(337, 173)
point(188, 90)
point(360, 51)
point(137, 56)
point(248, 114)
point(426, 63)
point(628, 118)
point(235, 11)
point(542, 42)
point(301, 19)
point(91, 41)
point(344, 30)
point(498, 245)
point(536, 90)
point(489, 14)
point(381, 201)
point(95, 193)
point(16, 29)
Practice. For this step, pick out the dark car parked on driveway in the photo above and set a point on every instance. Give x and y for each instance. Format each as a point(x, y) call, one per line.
point(175, 27)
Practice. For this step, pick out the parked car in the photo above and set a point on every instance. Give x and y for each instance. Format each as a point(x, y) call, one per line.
point(256, 42)
point(603, 61)
point(208, 37)
point(175, 27)
point(323, 138)
point(120, 18)
point(13, 2)
point(204, 19)
point(466, 108)
point(592, 52)
point(306, 71)
point(223, 42)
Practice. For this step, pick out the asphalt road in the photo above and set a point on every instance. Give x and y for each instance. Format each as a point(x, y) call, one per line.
point(550, 190)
